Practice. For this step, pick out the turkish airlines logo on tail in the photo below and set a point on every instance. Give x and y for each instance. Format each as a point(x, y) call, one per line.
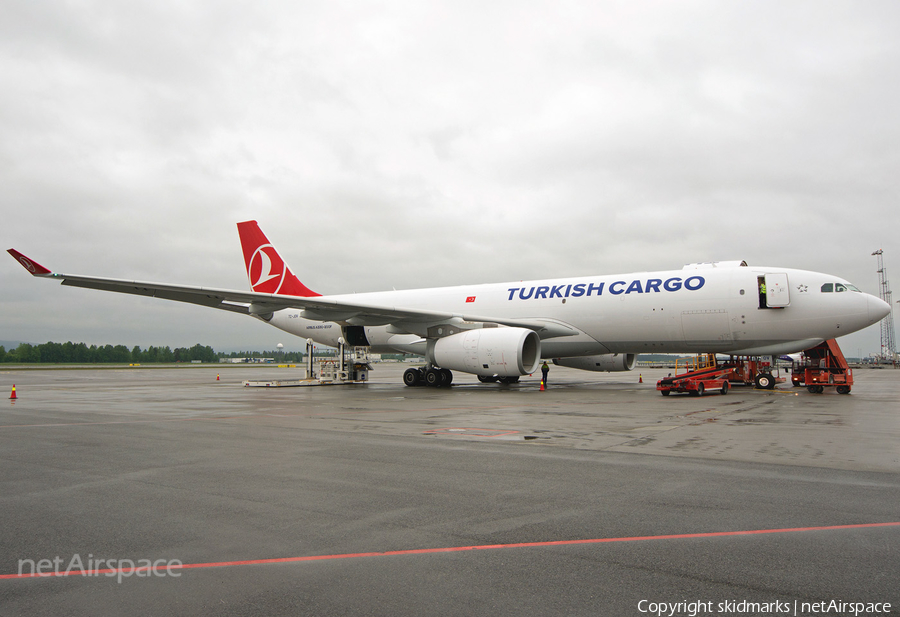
point(27, 263)
point(266, 270)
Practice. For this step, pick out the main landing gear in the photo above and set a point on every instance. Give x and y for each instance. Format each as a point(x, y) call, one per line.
point(441, 378)
point(428, 376)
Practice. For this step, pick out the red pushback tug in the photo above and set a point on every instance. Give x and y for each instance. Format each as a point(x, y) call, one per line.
point(823, 366)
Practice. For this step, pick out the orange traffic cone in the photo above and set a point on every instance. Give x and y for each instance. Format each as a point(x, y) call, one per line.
point(217, 377)
point(13, 396)
point(640, 378)
point(542, 385)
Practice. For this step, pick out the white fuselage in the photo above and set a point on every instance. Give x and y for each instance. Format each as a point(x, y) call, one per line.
point(705, 309)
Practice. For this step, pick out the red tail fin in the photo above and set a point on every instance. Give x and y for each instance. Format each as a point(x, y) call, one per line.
point(31, 265)
point(266, 269)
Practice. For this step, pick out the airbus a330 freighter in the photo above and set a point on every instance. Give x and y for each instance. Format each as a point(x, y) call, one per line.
point(502, 331)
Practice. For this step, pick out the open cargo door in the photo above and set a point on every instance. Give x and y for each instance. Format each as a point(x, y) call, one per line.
point(777, 293)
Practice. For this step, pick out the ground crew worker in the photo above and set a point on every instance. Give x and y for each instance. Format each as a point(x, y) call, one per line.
point(544, 370)
point(762, 294)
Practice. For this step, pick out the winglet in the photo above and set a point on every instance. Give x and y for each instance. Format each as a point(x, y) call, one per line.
point(265, 268)
point(29, 264)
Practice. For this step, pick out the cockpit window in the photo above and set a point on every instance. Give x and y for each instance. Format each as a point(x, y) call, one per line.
point(838, 287)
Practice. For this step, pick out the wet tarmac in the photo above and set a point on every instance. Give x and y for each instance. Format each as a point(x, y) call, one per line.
point(597, 496)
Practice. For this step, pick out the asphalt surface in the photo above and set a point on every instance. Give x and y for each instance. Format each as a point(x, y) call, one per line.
point(597, 496)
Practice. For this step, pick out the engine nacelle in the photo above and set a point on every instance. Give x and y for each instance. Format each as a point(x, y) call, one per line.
point(506, 352)
point(609, 362)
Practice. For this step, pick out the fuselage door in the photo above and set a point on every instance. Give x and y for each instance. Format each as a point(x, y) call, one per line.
point(777, 292)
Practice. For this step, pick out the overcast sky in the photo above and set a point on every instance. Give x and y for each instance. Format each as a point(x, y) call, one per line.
point(416, 144)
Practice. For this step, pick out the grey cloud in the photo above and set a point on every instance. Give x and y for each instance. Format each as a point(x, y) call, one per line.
point(420, 144)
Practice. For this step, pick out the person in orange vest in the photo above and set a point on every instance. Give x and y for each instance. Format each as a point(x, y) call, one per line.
point(545, 370)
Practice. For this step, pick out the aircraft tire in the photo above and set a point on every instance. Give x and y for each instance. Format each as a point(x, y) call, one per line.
point(433, 378)
point(487, 378)
point(412, 377)
point(446, 378)
point(765, 381)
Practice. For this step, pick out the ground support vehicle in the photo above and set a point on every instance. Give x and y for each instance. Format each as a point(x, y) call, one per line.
point(705, 373)
point(702, 374)
point(823, 366)
point(754, 371)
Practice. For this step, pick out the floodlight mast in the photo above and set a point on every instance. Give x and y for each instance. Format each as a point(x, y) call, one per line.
point(888, 345)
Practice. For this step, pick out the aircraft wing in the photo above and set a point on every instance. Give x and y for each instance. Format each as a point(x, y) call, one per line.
point(320, 308)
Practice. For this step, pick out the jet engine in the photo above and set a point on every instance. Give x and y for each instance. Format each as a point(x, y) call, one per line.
point(506, 352)
point(610, 362)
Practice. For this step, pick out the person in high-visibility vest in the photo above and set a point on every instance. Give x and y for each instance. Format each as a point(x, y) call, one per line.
point(545, 369)
point(762, 294)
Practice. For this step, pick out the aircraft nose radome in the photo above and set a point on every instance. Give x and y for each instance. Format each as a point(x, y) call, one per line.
point(878, 308)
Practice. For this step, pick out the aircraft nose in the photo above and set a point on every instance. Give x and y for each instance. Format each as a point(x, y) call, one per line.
point(878, 308)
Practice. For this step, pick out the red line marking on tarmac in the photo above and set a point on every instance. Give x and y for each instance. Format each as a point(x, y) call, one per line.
point(455, 549)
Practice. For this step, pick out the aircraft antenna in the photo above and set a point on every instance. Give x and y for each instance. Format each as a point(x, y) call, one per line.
point(888, 346)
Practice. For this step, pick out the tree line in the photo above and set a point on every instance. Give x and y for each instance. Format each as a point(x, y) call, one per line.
point(80, 353)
